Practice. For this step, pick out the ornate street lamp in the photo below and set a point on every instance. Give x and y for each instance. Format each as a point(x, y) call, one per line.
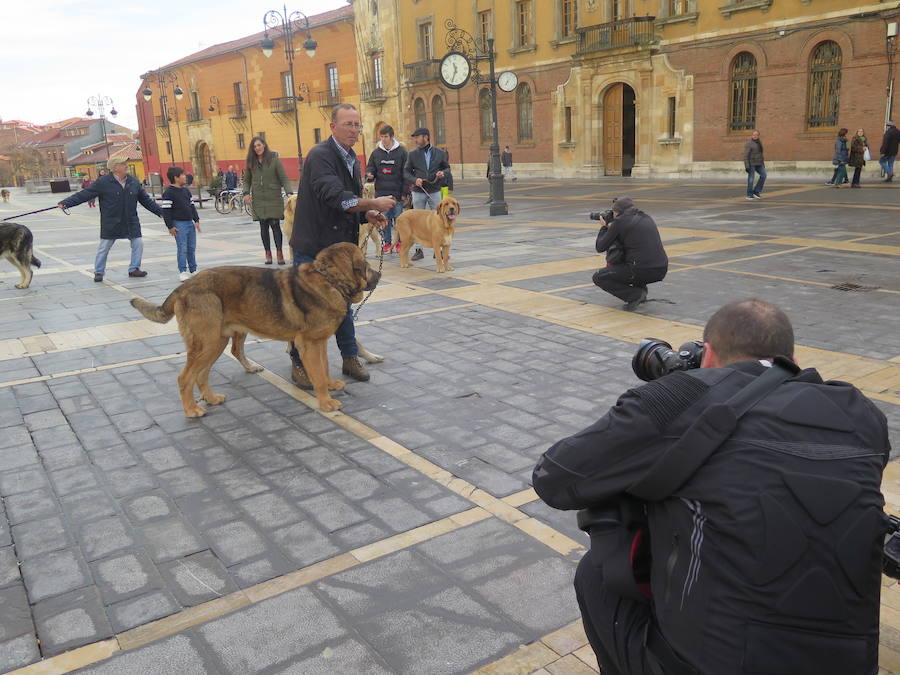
point(100, 102)
point(163, 76)
point(273, 19)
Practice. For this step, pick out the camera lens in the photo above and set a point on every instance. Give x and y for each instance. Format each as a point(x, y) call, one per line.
point(653, 359)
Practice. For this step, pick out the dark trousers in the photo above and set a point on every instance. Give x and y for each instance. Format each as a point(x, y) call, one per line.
point(856, 172)
point(628, 282)
point(273, 224)
point(346, 332)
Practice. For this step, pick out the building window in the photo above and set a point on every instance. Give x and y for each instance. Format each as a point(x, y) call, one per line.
point(568, 18)
point(437, 116)
point(677, 7)
point(825, 85)
point(485, 29)
point(671, 117)
point(240, 142)
point(378, 71)
point(743, 92)
point(261, 134)
point(195, 100)
point(523, 113)
point(419, 112)
point(287, 84)
point(238, 93)
point(523, 23)
point(164, 108)
point(568, 121)
point(426, 47)
point(331, 76)
point(484, 114)
point(169, 148)
point(317, 135)
point(618, 10)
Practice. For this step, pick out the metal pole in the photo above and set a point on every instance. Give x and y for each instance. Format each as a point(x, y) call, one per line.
point(289, 48)
point(498, 202)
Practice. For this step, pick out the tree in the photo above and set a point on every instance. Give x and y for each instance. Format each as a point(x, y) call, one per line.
point(27, 163)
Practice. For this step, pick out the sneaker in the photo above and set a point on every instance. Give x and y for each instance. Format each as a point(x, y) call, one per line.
point(194, 272)
point(756, 195)
point(184, 276)
point(749, 198)
point(633, 305)
point(300, 378)
point(354, 368)
point(98, 277)
point(829, 182)
point(397, 247)
point(418, 255)
point(386, 248)
point(854, 185)
point(137, 273)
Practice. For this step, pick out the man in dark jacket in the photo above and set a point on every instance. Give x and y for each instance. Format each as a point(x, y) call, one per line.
point(427, 169)
point(767, 558)
point(888, 153)
point(119, 193)
point(328, 211)
point(230, 178)
point(386, 166)
point(644, 262)
point(754, 161)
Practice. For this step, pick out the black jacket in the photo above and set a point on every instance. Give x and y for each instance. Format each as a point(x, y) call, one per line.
point(890, 142)
point(319, 220)
point(388, 166)
point(768, 559)
point(638, 234)
point(118, 205)
point(177, 205)
point(416, 168)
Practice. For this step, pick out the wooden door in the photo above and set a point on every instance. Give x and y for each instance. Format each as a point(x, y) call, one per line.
point(205, 164)
point(612, 130)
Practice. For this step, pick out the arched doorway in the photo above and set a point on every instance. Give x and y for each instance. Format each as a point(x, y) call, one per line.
point(618, 130)
point(204, 163)
point(377, 129)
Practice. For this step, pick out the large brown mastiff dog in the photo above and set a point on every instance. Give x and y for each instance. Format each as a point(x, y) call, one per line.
point(305, 304)
point(431, 229)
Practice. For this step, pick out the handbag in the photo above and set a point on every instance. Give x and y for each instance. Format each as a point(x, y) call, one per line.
point(867, 156)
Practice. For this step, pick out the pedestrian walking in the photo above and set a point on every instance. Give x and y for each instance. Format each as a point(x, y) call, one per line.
point(386, 166)
point(859, 152)
point(230, 178)
point(839, 159)
point(888, 152)
point(86, 183)
point(426, 168)
point(507, 164)
point(264, 178)
point(182, 221)
point(754, 162)
point(119, 193)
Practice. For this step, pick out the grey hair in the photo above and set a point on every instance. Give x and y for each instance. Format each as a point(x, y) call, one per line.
point(113, 163)
point(340, 106)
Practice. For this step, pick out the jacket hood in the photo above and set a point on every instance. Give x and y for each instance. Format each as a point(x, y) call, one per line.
point(390, 149)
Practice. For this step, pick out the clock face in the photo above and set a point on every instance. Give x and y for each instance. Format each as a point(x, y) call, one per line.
point(455, 70)
point(508, 80)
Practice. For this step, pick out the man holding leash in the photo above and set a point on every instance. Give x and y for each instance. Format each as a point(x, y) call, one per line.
point(427, 169)
point(119, 193)
point(329, 210)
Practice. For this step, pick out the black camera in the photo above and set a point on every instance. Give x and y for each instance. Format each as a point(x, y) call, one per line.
point(605, 215)
point(655, 358)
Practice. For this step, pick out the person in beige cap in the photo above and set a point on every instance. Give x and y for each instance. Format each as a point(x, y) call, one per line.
point(643, 259)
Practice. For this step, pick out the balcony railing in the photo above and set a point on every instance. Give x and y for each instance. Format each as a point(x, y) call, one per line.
point(237, 111)
point(328, 98)
point(161, 121)
point(421, 71)
point(285, 104)
point(370, 93)
point(194, 115)
point(634, 32)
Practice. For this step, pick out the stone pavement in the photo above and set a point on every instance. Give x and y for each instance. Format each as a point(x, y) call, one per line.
point(401, 534)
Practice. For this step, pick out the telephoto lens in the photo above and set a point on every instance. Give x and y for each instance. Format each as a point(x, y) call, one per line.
point(655, 358)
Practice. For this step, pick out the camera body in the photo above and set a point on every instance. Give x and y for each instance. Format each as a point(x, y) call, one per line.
point(655, 358)
point(607, 215)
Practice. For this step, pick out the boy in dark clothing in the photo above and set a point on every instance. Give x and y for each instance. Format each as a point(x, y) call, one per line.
point(182, 220)
point(385, 167)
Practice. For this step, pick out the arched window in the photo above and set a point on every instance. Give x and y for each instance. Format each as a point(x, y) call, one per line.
point(523, 113)
point(437, 117)
point(743, 92)
point(825, 85)
point(419, 111)
point(484, 112)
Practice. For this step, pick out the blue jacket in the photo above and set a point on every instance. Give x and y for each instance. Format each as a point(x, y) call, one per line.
point(118, 205)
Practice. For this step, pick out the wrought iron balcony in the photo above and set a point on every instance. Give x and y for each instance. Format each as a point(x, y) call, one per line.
point(637, 31)
point(285, 104)
point(328, 98)
point(421, 71)
point(237, 111)
point(162, 121)
point(370, 93)
point(194, 115)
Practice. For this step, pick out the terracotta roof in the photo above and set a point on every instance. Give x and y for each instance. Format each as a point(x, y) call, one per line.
point(41, 138)
point(89, 157)
point(251, 40)
point(128, 151)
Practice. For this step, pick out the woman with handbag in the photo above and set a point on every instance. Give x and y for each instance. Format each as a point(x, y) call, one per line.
point(264, 178)
point(839, 159)
point(859, 154)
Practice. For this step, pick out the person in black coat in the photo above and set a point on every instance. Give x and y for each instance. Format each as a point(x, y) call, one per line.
point(644, 260)
point(329, 211)
point(119, 193)
point(888, 152)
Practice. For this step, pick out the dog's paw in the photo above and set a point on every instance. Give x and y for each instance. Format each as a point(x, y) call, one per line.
point(369, 357)
point(196, 411)
point(336, 385)
point(254, 369)
point(405, 265)
point(449, 268)
point(22, 286)
point(329, 405)
point(215, 399)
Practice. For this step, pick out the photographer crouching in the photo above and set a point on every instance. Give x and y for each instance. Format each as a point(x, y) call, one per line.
point(635, 255)
point(734, 509)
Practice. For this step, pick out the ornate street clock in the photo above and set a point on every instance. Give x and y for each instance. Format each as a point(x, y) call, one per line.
point(455, 70)
point(508, 80)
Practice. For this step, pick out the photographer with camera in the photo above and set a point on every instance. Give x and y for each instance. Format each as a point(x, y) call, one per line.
point(635, 255)
point(734, 509)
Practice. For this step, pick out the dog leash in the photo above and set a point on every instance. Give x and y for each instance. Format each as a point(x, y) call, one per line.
point(31, 213)
point(380, 266)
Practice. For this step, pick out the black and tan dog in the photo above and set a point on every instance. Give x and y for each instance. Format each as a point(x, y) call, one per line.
point(432, 229)
point(16, 242)
point(305, 304)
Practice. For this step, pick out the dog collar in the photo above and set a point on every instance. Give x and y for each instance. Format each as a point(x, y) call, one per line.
point(341, 287)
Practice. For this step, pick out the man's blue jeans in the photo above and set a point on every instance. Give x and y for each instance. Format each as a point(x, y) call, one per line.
point(761, 170)
point(346, 332)
point(186, 240)
point(137, 252)
point(887, 164)
point(391, 215)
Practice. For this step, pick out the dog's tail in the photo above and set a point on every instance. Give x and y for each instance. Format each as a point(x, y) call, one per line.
point(158, 313)
point(35, 261)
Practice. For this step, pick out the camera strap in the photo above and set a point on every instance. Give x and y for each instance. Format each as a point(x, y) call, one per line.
point(707, 433)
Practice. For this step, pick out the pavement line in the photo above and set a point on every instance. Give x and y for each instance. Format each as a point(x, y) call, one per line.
point(564, 651)
point(69, 373)
point(73, 660)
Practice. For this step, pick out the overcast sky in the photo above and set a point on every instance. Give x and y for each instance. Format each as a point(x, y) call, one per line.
point(55, 54)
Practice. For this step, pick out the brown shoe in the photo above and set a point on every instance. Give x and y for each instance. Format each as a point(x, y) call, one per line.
point(268, 258)
point(355, 369)
point(137, 273)
point(300, 378)
point(280, 258)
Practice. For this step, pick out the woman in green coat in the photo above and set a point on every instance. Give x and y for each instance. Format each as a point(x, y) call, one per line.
point(264, 177)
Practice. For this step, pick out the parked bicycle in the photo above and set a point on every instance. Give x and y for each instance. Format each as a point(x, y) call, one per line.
point(229, 200)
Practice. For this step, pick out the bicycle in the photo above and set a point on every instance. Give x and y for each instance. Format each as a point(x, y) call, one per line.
point(228, 200)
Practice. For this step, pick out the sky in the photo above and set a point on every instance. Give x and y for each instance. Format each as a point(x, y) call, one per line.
point(55, 54)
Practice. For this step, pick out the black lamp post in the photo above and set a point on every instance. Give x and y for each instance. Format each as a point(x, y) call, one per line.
point(285, 22)
point(100, 102)
point(163, 76)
